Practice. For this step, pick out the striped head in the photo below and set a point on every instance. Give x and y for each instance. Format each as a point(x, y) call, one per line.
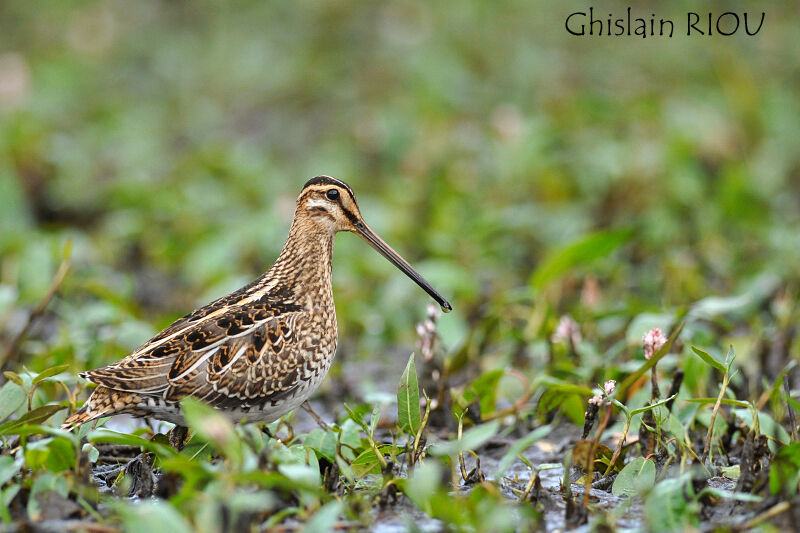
point(331, 204)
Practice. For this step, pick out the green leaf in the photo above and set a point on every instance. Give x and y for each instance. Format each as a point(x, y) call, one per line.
point(6, 497)
point(784, 473)
point(12, 397)
point(723, 401)
point(322, 442)
point(709, 360)
point(637, 477)
point(653, 406)
point(55, 454)
point(153, 515)
point(408, 413)
point(114, 437)
point(325, 518)
point(356, 414)
point(366, 463)
point(36, 453)
point(485, 388)
point(14, 377)
point(581, 252)
point(517, 448)
point(301, 474)
point(9, 466)
point(50, 372)
point(374, 419)
point(423, 482)
point(213, 427)
point(723, 494)
point(91, 452)
point(36, 416)
point(46, 481)
point(666, 506)
point(470, 439)
point(729, 357)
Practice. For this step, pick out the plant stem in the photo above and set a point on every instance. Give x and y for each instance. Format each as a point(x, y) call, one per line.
point(707, 448)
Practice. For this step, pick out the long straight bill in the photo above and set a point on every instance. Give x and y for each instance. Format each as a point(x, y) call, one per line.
point(386, 251)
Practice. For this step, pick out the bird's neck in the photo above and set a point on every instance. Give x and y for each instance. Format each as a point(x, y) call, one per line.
point(304, 264)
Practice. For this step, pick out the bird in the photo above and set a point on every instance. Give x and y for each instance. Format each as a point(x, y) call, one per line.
point(259, 352)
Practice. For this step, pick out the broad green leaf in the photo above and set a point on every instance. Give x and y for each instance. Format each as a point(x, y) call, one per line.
point(709, 360)
point(366, 463)
point(50, 372)
point(114, 437)
point(408, 412)
point(470, 440)
point(6, 497)
point(674, 426)
point(92, 453)
point(517, 448)
point(350, 436)
point(345, 469)
point(323, 442)
point(46, 481)
point(581, 252)
point(784, 473)
point(558, 385)
point(36, 416)
point(9, 467)
point(12, 376)
point(37, 429)
point(636, 478)
point(301, 474)
point(213, 427)
point(666, 506)
point(485, 387)
point(36, 453)
point(153, 515)
point(423, 482)
point(12, 396)
point(62, 455)
point(325, 518)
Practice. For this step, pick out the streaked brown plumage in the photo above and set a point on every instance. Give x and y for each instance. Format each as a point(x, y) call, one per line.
point(260, 351)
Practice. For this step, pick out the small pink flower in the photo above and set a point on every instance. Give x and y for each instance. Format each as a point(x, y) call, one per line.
point(596, 400)
point(610, 386)
point(653, 340)
point(427, 336)
point(567, 330)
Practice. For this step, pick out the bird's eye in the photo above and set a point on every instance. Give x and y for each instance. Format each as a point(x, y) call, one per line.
point(332, 194)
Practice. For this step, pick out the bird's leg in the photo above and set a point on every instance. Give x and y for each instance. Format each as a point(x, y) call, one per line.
point(177, 437)
point(306, 405)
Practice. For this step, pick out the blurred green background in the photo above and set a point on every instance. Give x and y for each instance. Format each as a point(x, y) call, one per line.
point(168, 141)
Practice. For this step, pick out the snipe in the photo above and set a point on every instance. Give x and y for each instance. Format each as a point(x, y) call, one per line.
point(259, 352)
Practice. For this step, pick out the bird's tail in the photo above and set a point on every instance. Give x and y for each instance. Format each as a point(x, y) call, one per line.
point(79, 417)
point(102, 402)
